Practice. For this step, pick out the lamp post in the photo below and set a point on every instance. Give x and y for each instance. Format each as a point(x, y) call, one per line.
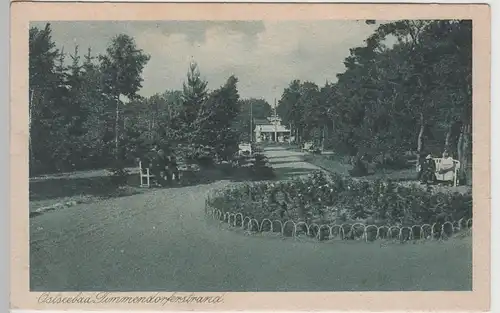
point(251, 117)
point(275, 121)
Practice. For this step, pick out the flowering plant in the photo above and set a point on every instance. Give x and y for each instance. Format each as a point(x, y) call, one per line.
point(332, 198)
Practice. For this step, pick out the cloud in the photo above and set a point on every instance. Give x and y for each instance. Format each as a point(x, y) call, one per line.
point(264, 55)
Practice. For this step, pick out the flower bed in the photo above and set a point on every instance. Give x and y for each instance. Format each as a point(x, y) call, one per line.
point(326, 200)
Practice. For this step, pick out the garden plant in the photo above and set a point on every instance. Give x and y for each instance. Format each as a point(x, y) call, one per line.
point(325, 205)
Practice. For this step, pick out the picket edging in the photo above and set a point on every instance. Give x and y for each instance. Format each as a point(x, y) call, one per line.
point(344, 231)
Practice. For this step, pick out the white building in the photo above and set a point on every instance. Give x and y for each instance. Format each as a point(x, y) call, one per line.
point(273, 131)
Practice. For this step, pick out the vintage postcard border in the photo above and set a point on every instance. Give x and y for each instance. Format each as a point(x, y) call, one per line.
point(478, 299)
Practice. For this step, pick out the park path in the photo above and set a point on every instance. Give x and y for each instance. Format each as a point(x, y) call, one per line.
point(162, 241)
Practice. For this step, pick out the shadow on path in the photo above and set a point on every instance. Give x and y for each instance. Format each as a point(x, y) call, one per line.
point(291, 172)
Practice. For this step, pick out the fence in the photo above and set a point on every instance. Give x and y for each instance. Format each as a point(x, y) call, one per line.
point(342, 231)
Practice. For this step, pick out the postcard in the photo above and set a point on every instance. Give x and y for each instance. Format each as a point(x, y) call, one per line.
point(265, 156)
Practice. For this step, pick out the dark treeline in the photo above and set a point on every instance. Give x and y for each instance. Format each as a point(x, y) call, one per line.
point(87, 114)
point(413, 95)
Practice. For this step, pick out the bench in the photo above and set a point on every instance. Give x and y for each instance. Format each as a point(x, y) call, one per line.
point(306, 147)
point(145, 176)
point(451, 175)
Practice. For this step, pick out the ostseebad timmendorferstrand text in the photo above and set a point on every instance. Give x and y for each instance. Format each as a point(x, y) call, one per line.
point(107, 297)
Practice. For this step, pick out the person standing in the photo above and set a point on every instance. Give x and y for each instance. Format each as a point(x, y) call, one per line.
point(162, 167)
point(421, 165)
point(157, 164)
point(173, 168)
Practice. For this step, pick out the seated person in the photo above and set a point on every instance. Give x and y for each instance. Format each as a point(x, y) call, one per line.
point(447, 167)
point(428, 175)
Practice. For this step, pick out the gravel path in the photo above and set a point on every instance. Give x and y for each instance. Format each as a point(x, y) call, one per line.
point(162, 241)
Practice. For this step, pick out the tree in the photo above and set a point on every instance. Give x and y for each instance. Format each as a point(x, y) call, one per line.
point(194, 94)
point(288, 108)
point(42, 60)
point(412, 95)
point(121, 67)
point(213, 125)
point(312, 118)
point(96, 142)
point(251, 110)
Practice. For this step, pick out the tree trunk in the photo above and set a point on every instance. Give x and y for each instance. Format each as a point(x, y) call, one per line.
point(447, 141)
point(463, 150)
point(117, 121)
point(323, 138)
point(420, 140)
point(460, 147)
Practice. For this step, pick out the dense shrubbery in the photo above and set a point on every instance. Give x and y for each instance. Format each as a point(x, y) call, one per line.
point(254, 167)
point(393, 98)
point(86, 115)
point(204, 156)
point(333, 199)
point(119, 174)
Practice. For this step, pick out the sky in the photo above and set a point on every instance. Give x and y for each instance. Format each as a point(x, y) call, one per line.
point(265, 56)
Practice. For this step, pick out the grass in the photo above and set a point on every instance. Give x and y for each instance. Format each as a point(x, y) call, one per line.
point(332, 163)
point(218, 260)
point(405, 176)
point(47, 193)
point(382, 265)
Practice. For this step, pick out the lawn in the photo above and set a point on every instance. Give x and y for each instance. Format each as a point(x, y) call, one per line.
point(58, 191)
point(405, 176)
point(52, 192)
point(382, 265)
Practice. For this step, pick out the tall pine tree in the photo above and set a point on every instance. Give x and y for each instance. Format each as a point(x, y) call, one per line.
point(193, 95)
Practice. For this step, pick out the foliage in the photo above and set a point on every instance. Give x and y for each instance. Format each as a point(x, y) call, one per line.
point(193, 95)
point(119, 174)
point(324, 199)
point(253, 167)
point(202, 155)
point(408, 89)
point(251, 109)
point(86, 113)
point(213, 124)
point(121, 67)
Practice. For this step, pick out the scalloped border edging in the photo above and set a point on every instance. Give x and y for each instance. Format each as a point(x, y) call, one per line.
point(344, 231)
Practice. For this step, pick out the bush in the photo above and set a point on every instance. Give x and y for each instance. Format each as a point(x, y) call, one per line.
point(394, 162)
point(359, 169)
point(330, 199)
point(119, 174)
point(254, 167)
point(204, 156)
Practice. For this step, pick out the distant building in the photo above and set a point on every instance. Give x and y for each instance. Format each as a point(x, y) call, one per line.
point(271, 131)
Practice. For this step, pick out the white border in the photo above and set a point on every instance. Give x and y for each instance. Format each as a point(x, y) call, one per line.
point(495, 144)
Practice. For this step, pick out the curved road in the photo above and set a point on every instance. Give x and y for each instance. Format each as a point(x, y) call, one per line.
point(162, 241)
